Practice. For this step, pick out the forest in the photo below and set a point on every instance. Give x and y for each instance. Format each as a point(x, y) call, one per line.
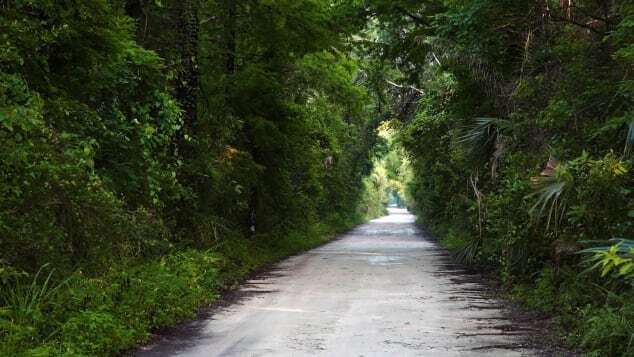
point(153, 153)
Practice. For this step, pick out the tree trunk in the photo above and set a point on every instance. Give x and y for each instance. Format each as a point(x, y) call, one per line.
point(188, 85)
point(230, 37)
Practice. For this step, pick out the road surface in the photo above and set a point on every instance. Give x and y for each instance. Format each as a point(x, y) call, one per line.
point(383, 289)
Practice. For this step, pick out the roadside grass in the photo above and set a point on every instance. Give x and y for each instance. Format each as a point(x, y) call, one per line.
point(105, 315)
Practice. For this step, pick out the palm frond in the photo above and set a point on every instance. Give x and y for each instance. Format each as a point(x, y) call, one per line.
point(624, 246)
point(551, 200)
point(483, 129)
point(468, 254)
point(480, 138)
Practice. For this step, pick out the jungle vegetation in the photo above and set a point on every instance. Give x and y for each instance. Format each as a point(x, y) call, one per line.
point(154, 152)
point(520, 146)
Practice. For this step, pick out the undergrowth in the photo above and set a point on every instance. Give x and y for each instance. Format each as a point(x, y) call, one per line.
point(582, 312)
point(104, 315)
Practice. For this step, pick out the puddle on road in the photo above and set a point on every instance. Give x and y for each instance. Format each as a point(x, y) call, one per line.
point(369, 231)
point(385, 260)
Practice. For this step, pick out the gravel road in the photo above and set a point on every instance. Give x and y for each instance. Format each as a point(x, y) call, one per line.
point(383, 289)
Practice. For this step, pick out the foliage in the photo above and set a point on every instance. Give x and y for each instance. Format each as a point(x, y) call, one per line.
point(79, 130)
point(189, 141)
point(375, 198)
point(521, 143)
point(386, 183)
point(133, 130)
point(607, 331)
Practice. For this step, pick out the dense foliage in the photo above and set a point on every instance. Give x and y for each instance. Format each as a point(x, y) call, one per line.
point(153, 152)
point(520, 146)
point(143, 143)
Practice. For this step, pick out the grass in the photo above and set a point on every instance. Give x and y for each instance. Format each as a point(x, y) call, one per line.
point(105, 315)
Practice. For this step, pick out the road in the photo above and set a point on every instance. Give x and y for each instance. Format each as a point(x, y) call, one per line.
point(383, 289)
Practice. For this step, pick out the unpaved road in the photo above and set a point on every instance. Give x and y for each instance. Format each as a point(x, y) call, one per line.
point(383, 289)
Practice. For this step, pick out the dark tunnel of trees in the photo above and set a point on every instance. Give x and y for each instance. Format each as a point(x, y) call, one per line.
point(153, 152)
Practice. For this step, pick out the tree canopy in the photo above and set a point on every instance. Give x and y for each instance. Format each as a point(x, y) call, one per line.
point(139, 133)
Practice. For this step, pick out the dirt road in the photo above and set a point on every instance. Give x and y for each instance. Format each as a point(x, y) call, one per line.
point(381, 290)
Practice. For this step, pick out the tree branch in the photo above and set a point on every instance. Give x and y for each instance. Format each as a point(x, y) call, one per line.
point(407, 87)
